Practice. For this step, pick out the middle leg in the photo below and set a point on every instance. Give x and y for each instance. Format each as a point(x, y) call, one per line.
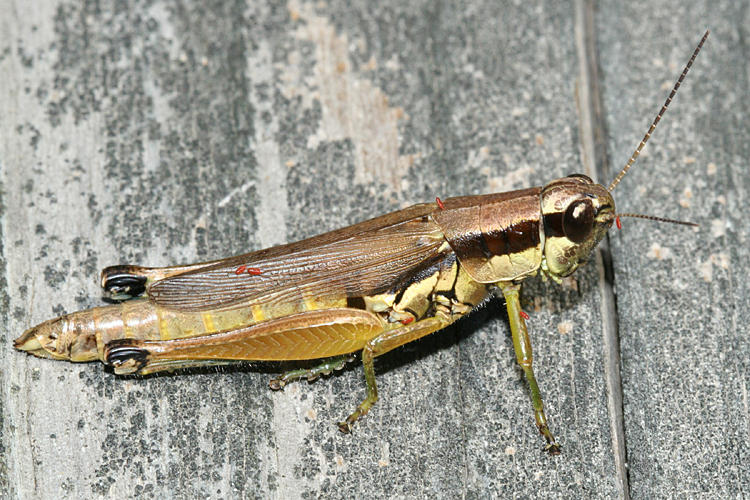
point(380, 345)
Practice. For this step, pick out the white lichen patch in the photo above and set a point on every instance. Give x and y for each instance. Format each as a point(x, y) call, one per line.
point(706, 271)
point(565, 327)
point(385, 458)
point(711, 168)
point(716, 259)
point(658, 252)
point(718, 228)
point(393, 63)
point(687, 195)
point(724, 261)
point(370, 65)
point(721, 259)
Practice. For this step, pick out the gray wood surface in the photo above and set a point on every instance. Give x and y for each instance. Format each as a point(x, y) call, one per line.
point(165, 132)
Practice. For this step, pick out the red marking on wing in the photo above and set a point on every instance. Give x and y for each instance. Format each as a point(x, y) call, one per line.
point(240, 270)
point(617, 221)
point(440, 203)
point(524, 315)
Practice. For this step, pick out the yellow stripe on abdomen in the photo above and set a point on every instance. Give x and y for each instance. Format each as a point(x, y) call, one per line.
point(258, 313)
point(208, 322)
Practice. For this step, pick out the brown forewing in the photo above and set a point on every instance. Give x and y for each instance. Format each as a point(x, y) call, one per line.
point(363, 259)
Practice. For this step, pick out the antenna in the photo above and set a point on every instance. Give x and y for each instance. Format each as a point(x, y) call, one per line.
point(658, 117)
point(658, 219)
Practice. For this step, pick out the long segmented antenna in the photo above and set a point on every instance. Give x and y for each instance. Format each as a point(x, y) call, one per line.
point(658, 219)
point(658, 116)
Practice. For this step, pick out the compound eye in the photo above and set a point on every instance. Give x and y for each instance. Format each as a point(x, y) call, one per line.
point(578, 220)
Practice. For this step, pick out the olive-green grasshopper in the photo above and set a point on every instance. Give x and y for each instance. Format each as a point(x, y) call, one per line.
point(367, 288)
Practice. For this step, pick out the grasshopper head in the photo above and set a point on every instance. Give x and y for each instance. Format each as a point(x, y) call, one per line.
point(577, 213)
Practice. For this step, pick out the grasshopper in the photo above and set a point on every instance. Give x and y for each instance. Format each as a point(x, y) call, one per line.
point(367, 288)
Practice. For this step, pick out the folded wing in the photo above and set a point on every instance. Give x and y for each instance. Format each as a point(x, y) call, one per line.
point(364, 259)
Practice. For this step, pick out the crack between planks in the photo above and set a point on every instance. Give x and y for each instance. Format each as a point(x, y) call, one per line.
point(594, 153)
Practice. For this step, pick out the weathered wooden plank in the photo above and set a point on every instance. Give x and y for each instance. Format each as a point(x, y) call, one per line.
point(155, 133)
point(682, 295)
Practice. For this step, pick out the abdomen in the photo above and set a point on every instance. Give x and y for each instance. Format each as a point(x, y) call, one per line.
point(82, 335)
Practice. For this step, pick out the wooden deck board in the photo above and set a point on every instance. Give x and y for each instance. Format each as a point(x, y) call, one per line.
point(157, 134)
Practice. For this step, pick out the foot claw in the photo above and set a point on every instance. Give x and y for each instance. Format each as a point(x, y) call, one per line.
point(345, 427)
point(276, 384)
point(553, 449)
